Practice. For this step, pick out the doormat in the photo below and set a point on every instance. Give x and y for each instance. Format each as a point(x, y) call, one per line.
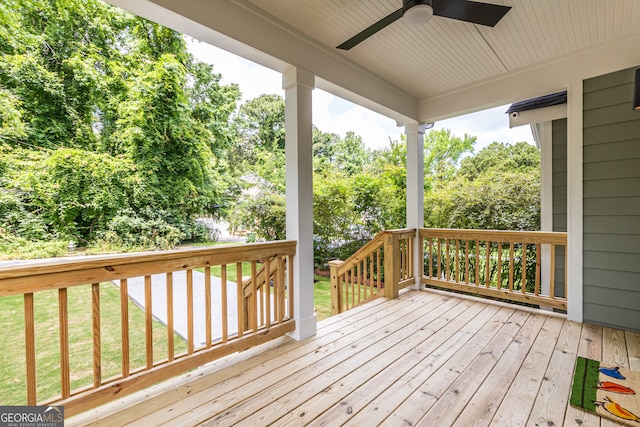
point(608, 391)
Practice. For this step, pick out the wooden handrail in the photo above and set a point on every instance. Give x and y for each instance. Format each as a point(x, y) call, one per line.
point(19, 278)
point(256, 324)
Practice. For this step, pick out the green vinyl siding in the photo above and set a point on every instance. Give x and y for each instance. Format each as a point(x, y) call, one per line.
point(559, 170)
point(611, 209)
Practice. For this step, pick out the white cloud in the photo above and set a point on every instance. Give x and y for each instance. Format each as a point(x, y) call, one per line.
point(336, 115)
point(253, 79)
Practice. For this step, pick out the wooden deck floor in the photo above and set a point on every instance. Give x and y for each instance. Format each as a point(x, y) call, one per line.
point(424, 359)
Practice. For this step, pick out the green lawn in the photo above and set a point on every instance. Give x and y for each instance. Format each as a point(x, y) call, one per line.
point(322, 297)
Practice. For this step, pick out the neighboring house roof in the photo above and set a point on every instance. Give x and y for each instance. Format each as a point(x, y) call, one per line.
point(540, 102)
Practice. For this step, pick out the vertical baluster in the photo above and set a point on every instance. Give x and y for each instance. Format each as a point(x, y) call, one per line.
point(466, 262)
point(273, 284)
point(254, 296)
point(410, 258)
point(224, 303)
point(267, 292)
point(499, 278)
point(148, 325)
point(371, 273)
point(362, 272)
point(63, 314)
point(274, 291)
point(447, 271)
point(407, 254)
point(487, 265)
point(439, 257)
point(280, 289)
point(378, 267)
point(95, 329)
point(477, 263)
point(430, 274)
point(290, 284)
point(124, 326)
point(207, 305)
point(239, 297)
point(30, 348)
point(537, 284)
point(401, 260)
point(261, 292)
point(523, 287)
point(190, 340)
point(457, 261)
point(171, 346)
point(353, 280)
point(366, 262)
point(512, 261)
point(552, 272)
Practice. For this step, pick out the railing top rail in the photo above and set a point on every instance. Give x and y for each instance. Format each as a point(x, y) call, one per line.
point(402, 233)
point(370, 246)
point(557, 238)
point(62, 272)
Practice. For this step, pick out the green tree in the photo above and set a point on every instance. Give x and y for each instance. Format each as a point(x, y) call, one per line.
point(127, 96)
point(497, 189)
point(159, 134)
point(442, 154)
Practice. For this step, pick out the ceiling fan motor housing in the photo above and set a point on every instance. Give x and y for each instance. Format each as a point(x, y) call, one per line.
point(408, 4)
point(416, 12)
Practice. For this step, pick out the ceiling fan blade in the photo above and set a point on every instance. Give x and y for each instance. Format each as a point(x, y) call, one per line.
point(368, 32)
point(470, 11)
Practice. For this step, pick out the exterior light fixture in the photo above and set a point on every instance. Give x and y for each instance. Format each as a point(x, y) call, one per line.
point(636, 91)
point(416, 12)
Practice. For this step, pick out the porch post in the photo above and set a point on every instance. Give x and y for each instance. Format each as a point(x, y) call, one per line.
point(545, 137)
point(415, 192)
point(298, 85)
point(574, 200)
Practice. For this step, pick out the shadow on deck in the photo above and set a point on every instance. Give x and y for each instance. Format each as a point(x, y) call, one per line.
point(427, 358)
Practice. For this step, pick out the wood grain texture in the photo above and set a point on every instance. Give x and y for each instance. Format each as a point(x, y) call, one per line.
point(63, 324)
point(425, 358)
point(30, 348)
point(124, 327)
point(95, 329)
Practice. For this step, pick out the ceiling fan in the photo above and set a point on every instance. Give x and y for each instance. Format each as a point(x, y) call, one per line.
point(418, 12)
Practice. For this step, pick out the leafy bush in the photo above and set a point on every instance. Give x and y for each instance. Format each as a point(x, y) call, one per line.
point(131, 231)
point(15, 247)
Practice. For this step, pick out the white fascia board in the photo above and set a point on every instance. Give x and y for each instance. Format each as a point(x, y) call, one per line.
point(539, 115)
point(242, 29)
point(537, 80)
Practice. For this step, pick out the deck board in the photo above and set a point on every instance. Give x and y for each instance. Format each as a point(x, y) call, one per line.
point(426, 358)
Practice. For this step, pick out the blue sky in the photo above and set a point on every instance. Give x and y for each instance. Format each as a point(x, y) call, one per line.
point(333, 114)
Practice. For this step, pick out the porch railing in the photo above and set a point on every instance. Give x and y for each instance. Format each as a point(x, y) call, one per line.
point(380, 268)
point(500, 264)
point(519, 266)
point(245, 313)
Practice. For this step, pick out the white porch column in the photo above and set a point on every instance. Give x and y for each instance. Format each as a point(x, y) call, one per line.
point(298, 85)
point(415, 191)
point(545, 137)
point(574, 199)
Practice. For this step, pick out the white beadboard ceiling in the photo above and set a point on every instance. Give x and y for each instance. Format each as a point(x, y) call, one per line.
point(428, 73)
point(444, 54)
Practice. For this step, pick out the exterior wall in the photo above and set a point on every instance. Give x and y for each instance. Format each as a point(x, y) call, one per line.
point(611, 253)
point(559, 168)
